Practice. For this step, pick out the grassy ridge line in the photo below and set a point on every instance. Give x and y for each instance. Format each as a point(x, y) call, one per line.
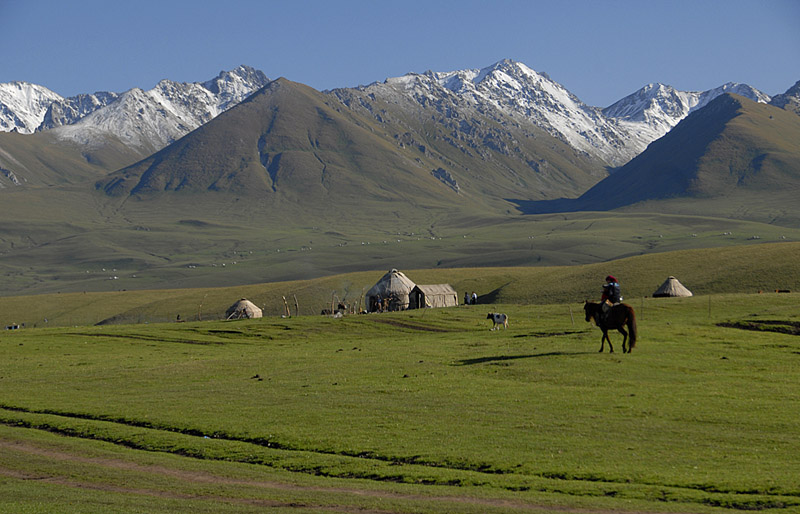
point(741, 269)
point(222, 448)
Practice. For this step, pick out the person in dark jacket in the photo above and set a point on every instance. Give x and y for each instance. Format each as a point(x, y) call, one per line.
point(611, 294)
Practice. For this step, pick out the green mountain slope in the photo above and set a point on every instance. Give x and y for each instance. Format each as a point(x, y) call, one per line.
point(733, 157)
point(731, 144)
point(42, 159)
point(284, 147)
point(294, 148)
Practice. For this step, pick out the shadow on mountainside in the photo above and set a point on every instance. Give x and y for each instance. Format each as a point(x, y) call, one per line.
point(548, 206)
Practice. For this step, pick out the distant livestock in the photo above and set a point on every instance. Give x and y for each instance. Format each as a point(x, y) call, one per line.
point(497, 320)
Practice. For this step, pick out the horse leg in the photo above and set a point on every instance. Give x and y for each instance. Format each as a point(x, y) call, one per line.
point(624, 339)
point(603, 342)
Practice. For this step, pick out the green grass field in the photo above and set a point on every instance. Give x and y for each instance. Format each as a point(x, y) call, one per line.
point(420, 411)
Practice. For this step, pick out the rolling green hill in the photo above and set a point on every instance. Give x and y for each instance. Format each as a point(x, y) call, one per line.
point(736, 269)
point(42, 159)
point(409, 412)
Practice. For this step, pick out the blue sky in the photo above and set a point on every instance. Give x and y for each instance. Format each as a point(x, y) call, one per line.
point(599, 50)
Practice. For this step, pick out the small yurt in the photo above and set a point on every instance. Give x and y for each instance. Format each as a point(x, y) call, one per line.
point(671, 287)
point(390, 293)
point(432, 295)
point(243, 309)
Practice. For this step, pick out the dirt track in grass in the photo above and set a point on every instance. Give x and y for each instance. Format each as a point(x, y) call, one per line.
point(201, 477)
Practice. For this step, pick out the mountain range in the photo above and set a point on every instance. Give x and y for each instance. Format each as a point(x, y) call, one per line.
point(27, 108)
point(115, 129)
point(96, 133)
point(157, 172)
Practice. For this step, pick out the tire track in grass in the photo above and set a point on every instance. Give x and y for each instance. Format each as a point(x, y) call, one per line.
point(203, 477)
point(349, 465)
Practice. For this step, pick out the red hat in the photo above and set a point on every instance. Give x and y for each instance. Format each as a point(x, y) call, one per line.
point(611, 278)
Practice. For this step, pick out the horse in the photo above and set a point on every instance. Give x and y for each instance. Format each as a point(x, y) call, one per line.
point(498, 320)
point(619, 316)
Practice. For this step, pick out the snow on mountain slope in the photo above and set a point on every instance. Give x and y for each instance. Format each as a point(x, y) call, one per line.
point(615, 134)
point(152, 119)
point(790, 100)
point(149, 120)
point(23, 106)
point(655, 109)
point(231, 87)
point(518, 90)
point(66, 111)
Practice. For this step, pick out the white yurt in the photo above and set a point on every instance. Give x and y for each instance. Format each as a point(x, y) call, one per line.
point(243, 309)
point(390, 292)
point(671, 287)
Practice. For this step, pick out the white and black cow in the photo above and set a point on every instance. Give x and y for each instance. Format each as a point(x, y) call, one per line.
point(497, 320)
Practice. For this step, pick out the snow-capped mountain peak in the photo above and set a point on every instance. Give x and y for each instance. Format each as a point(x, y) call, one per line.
point(147, 120)
point(655, 109)
point(731, 87)
point(789, 100)
point(614, 134)
point(521, 92)
point(233, 86)
point(23, 106)
point(658, 101)
point(152, 119)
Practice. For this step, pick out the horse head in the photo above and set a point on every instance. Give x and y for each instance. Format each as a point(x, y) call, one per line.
point(588, 308)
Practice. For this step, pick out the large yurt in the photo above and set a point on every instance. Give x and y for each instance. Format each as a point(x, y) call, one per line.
point(243, 309)
point(671, 287)
point(389, 293)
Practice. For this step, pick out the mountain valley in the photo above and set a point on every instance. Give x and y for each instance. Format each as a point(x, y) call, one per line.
point(242, 179)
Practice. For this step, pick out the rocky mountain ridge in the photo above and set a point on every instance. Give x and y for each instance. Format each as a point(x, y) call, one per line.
point(146, 119)
point(23, 106)
point(614, 135)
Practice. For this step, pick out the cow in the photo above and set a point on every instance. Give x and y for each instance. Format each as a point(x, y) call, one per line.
point(497, 320)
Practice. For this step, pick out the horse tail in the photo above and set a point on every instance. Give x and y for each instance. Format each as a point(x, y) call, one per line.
point(631, 329)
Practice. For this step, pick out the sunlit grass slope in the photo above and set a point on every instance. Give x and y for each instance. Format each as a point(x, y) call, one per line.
point(420, 411)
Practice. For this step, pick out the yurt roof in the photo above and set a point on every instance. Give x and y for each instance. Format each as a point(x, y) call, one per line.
point(393, 281)
point(244, 302)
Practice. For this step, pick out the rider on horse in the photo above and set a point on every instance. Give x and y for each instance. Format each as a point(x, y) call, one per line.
point(611, 294)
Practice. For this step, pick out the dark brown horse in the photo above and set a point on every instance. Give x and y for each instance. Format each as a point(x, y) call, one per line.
point(620, 316)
